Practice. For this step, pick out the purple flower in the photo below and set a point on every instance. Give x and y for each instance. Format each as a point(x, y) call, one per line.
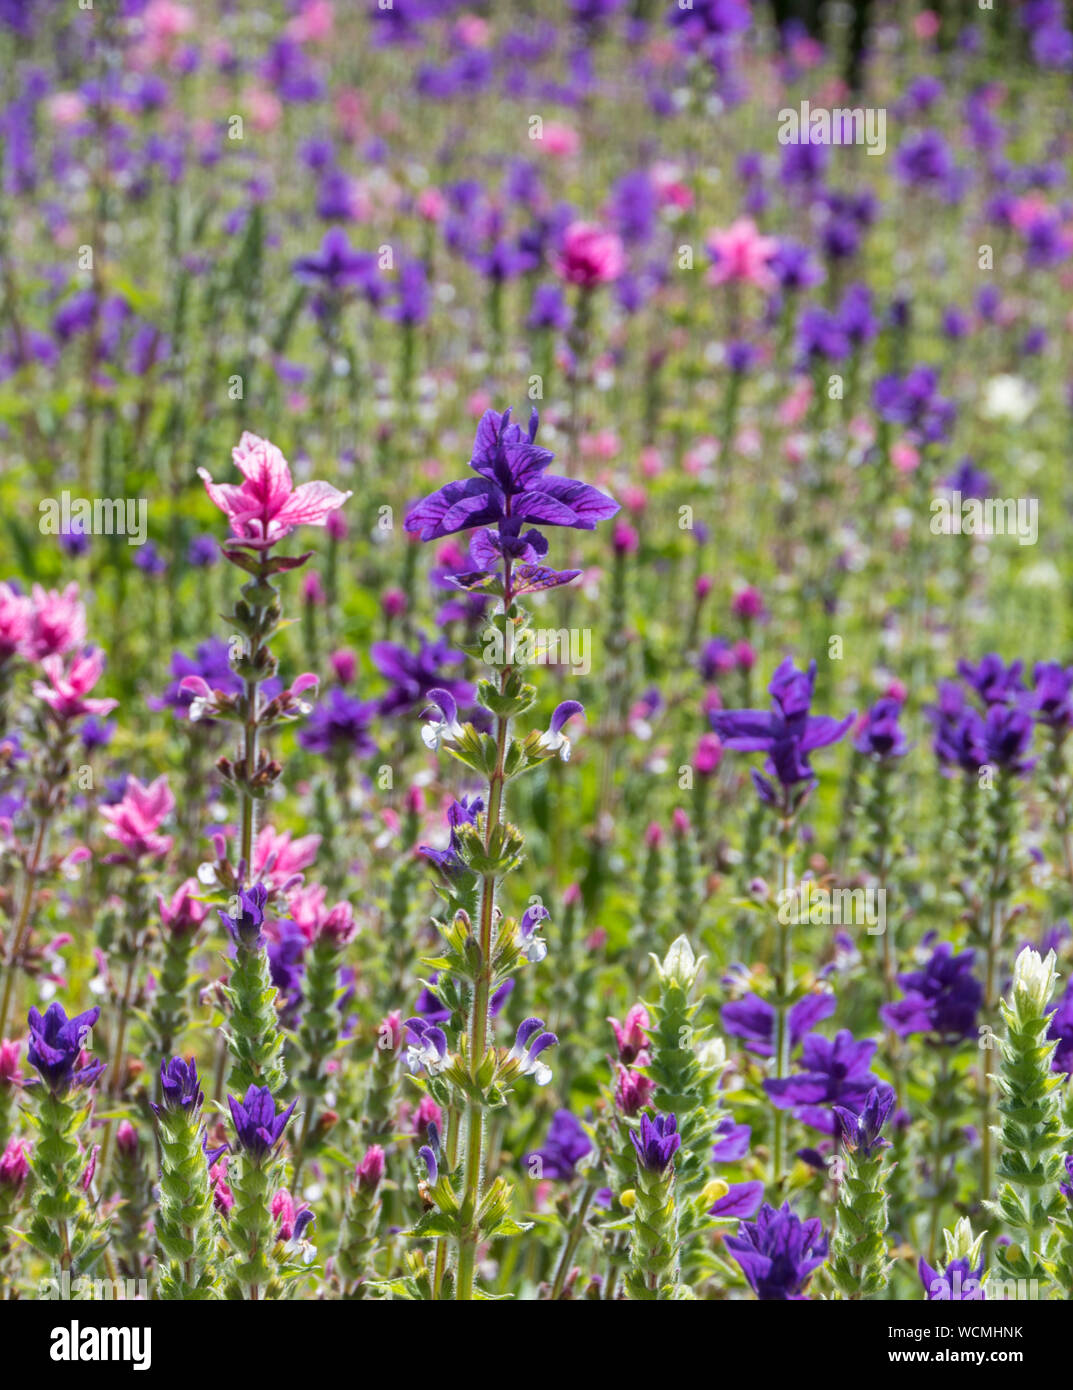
point(512, 487)
point(1052, 697)
point(959, 730)
point(861, 1131)
point(1061, 1029)
point(941, 999)
point(337, 266)
point(732, 1142)
point(657, 1143)
point(787, 734)
point(880, 736)
point(245, 925)
point(449, 861)
point(339, 727)
point(833, 1072)
point(1007, 737)
point(753, 1019)
point(530, 1041)
point(286, 968)
point(913, 401)
point(55, 1047)
point(179, 1086)
point(778, 1252)
point(958, 1281)
point(992, 680)
point(258, 1127)
point(414, 674)
point(741, 1199)
point(566, 1144)
point(426, 1046)
point(924, 160)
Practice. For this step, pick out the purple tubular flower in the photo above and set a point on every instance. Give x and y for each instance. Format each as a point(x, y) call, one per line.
point(449, 861)
point(55, 1047)
point(179, 1086)
point(553, 739)
point(992, 680)
point(566, 1144)
point(512, 486)
point(958, 1281)
point(880, 735)
point(413, 675)
point(732, 1142)
point(245, 926)
point(657, 1143)
point(431, 1164)
point(787, 734)
point(741, 1199)
point(778, 1252)
point(753, 1019)
point(1007, 737)
point(529, 1042)
point(258, 1127)
point(534, 948)
point(941, 999)
point(427, 1046)
point(833, 1072)
point(1052, 698)
point(959, 730)
point(861, 1132)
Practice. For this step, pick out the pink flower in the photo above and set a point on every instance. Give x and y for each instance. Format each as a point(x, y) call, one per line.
point(633, 1092)
point(57, 622)
point(741, 254)
point(708, 754)
point(560, 140)
point(267, 506)
point(66, 108)
point(904, 456)
point(278, 861)
point(590, 255)
point(630, 1036)
point(10, 1074)
point(313, 22)
point(65, 693)
point(15, 612)
point(183, 914)
point(370, 1171)
point(14, 1164)
point(748, 603)
point(431, 205)
point(135, 820)
point(338, 926)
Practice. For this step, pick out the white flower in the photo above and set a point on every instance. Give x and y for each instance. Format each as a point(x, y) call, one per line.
point(1034, 977)
point(1008, 398)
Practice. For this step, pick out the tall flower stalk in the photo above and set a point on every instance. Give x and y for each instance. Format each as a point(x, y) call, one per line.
point(186, 1228)
point(481, 948)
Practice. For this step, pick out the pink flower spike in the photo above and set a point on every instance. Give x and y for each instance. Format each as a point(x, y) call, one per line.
point(65, 691)
point(267, 506)
point(741, 254)
point(135, 820)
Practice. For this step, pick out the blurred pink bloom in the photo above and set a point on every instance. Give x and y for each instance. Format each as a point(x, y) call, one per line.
point(472, 31)
point(345, 665)
point(633, 1092)
point(312, 23)
point(795, 407)
point(926, 24)
point(904, 456)
point(135, 820)
point(431, 205)
point(653, 835)
point(748, 603)
point(265, 108)
point(590, 255)
point(57, 622)
point(393, 602)
point(14, 1164)
point(66, 108)
point(10, 1075)
point(182, 914)
point(560, 140)
point(65, 693)
point(277, 859)
point(15, 615)
point(370, 1171)
point(742, 254)
point(651, 462)
point(708, 754)
point(313, 589)
point(267, 506)
point(630, 1036)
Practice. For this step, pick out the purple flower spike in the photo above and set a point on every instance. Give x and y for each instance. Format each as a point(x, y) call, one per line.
point(862, 1132)
point(179, 1086)
point(56, 1043)
point(778, 1252)
point(658, 1142)
point(245, 926)
point(432, 1166)
point(257, 1125)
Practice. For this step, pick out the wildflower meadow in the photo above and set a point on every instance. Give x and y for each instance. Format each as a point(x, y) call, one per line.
point(536, 666)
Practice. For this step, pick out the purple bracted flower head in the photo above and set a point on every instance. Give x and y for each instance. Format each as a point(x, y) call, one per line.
point(512, 487)
point(1007, 736)
point(880, 735)
point(339, 727)
point(778, 1252)
point(942, 998)
point(55, 1048)
point(449, 861)
point(245, 925)
point(833, 1072)
point(753, 1019)
point(657, 1143)
point(426, 1046)
point(993, 681)
point(959, 1281)
point(553, 739)
point(861, 1131)
point(180, 1088)
point(787, 733)
point(566, 1144)
point(414, 675)
point(258, 1127)
point(959, 730)
point(529, 1042)
point(1052, 697)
